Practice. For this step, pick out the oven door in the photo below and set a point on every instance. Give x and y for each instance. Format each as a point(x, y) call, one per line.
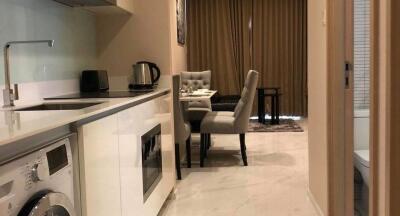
point(151, 160)
point(51, 204)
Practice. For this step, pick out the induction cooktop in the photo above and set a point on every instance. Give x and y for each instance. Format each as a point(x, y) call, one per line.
point(108, 94)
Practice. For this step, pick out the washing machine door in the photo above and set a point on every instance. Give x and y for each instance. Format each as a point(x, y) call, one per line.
point(52, 204)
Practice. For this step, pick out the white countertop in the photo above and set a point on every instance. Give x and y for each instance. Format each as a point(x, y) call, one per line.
point(17, 125)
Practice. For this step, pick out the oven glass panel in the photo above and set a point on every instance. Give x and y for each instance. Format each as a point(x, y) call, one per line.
point(151, 160)
point(57, 159)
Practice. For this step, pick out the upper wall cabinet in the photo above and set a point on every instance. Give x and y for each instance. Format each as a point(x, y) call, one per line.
point(81, 3)
point(126, 5)
point(102, 6)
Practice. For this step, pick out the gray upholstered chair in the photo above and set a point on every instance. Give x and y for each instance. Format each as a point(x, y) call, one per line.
point(230, 122)
point(181, 128)
point(196, 110)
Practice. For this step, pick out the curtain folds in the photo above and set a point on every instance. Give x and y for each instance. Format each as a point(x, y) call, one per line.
point(240, 17)
point(219, 40)
point(280, 50)
point(211, 43)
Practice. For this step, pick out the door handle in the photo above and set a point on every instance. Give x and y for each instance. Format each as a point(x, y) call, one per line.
point(348, 69)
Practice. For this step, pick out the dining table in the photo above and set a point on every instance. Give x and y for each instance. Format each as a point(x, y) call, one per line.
point(197, 95)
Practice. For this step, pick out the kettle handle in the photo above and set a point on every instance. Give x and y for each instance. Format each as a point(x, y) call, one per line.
point(152, 65)
point(158, 75)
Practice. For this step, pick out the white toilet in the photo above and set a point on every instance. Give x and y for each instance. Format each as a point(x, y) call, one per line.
point(361, 162)
point(361, 143)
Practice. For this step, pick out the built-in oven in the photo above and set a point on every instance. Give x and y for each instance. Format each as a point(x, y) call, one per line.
point(151, 160)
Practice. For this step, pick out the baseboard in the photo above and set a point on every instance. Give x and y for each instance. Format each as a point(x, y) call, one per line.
point(171, 197)
point(314, 203)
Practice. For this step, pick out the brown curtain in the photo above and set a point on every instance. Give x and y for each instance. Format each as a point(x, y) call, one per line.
point(280, 50)
point(211, 44)
point(240, 17)
point(219, 39)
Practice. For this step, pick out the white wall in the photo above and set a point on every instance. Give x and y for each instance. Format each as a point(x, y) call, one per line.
point(42, 71)
point(178, 52)
point(124, 40)
point(84, 41)
point(149, 34)
point(318, 94)
point(72, 29)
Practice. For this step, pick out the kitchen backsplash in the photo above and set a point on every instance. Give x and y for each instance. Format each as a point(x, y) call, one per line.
point(74, 32)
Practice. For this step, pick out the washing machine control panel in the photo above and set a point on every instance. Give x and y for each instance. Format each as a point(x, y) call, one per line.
point(35, 172)
point(46, 164)
point(39, 172)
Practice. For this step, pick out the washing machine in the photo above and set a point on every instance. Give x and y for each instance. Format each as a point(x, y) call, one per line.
point(39, 183)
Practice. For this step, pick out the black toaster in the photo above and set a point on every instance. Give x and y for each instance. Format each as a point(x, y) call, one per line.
point(94, 81)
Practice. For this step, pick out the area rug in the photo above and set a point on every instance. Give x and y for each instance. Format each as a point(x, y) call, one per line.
point(286, 125)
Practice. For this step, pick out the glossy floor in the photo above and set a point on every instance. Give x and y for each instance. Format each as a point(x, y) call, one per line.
point(275, 182)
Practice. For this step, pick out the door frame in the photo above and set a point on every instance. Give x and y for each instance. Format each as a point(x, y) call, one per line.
point(340, 126)
point(374, 110)
point(337, 157)
point(393, 104)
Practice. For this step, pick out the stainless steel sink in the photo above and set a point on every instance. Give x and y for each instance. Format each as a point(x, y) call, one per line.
point(58, 106)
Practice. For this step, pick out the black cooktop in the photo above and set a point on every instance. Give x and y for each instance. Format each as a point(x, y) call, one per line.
point(108, 94)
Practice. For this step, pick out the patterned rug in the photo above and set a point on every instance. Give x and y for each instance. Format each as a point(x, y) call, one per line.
point(286, 125)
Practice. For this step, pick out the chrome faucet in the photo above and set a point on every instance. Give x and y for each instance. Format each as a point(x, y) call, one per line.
point(10, 95)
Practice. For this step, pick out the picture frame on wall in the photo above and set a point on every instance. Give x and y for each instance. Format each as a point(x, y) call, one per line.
point(181, 21)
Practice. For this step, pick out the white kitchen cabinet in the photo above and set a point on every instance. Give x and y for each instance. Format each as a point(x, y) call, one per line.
point(111, 161)
point(99, 167)
point(163, 114)
point(132, 124)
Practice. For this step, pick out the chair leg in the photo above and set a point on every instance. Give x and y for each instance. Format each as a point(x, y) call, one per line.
point(206, 144)
point(208, 141)
point(243, 148)
point(189, 152)
point(202, 148)
point(178, 162)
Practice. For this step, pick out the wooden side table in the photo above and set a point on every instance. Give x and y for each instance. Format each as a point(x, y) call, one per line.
point(274, 94)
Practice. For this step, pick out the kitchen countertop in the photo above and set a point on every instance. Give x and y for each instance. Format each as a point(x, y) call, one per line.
point(18, 125)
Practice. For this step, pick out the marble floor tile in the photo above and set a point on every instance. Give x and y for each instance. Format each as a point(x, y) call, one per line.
point(275, 182)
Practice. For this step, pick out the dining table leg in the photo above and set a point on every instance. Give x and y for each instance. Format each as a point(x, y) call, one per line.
point(261, 106)
point(277, 110)
point(273, 109)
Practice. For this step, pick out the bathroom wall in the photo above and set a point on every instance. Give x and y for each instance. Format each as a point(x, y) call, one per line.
point(36, 66)
point(318, 105)
point(362, 64)
point(362, 54)
point(361, 129)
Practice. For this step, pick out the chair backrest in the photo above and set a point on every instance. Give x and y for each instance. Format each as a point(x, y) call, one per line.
point(245, 105)
point(179, 121)
point(197, 80)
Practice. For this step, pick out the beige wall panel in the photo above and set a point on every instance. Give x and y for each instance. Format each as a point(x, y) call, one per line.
point(318, 94)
